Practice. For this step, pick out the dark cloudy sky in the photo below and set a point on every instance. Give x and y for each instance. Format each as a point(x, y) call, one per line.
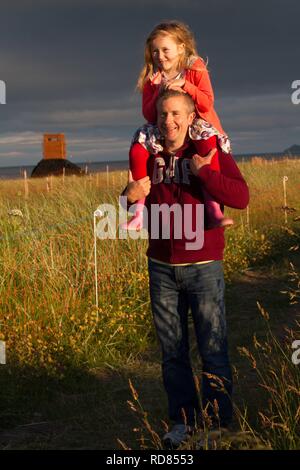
point(71, 66)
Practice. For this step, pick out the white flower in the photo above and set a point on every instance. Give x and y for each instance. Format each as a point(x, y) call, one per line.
point(15, 212)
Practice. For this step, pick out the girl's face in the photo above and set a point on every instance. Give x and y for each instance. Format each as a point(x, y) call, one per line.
point(166, 53)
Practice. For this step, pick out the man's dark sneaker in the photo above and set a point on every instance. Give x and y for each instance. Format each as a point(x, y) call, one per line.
point(178, 435)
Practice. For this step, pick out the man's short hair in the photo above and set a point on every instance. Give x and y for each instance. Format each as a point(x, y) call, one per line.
point(166, 94)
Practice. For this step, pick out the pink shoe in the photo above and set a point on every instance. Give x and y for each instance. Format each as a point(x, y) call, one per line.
point(136, 223)
point(215, 215)
point(224, 222)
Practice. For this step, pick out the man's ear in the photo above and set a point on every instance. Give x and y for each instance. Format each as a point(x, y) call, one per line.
point(191, 118)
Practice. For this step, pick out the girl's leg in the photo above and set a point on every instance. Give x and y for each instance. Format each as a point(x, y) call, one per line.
point(145, 141)
point(213, 210)
point(215, 215)
point(138, 157)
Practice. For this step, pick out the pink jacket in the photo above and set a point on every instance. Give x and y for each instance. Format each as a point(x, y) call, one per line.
point(197, 85)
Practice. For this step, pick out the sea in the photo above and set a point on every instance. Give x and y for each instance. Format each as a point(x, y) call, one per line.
point(16, 172)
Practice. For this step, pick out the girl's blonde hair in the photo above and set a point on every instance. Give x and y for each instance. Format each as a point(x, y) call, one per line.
point(182, 34)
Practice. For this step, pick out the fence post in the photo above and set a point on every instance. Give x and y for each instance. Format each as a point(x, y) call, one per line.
point(97, 214)
point(2, 353)
point(284, 180)
point(26, 189)
point(248, 216)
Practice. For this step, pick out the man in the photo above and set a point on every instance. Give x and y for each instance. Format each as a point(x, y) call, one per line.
point(182, 277)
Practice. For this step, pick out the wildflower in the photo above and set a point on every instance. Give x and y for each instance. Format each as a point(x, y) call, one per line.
point(133, 391)
point(15, 212)
point(263, 312)
point(131, 405)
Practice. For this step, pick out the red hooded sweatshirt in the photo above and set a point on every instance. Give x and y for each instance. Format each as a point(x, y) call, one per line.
point(172, 182)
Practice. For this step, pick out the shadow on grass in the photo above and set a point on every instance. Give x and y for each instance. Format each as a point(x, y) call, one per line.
point(246, 325)
point(84, 410)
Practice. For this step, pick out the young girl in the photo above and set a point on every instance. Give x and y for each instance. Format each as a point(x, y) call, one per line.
point(171, 62)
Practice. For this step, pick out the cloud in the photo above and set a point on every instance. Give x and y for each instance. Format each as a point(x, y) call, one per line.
point(271, 111)
point(33, 4)
point(71, 66)
point(25, 138)
point(260, 123)
point(27, 148)
point(13, 154)
point(88, 118)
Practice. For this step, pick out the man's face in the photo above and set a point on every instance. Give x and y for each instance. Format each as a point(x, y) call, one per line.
point(173, 120)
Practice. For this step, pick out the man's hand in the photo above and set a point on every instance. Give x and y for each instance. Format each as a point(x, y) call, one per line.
point(137, 189)
point(198, 162)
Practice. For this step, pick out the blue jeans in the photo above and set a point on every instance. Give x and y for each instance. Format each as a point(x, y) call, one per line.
point(173, 291)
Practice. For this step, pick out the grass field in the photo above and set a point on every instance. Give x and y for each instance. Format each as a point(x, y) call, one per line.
point(66, 381)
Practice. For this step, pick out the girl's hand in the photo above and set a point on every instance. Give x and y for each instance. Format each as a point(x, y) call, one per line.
point(177, 88)
point(175, 84)
point(162, 86)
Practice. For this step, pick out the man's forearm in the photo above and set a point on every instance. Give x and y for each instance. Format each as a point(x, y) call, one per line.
point(227, 187)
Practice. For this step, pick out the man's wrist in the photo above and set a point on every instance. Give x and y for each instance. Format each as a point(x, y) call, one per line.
point(127, 194)
point(203, 172)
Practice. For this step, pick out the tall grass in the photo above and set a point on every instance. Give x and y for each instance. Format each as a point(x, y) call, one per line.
point(47, 299)
point(48, 316)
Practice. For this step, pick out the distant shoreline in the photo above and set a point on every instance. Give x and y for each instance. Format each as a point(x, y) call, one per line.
point(17, 172)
